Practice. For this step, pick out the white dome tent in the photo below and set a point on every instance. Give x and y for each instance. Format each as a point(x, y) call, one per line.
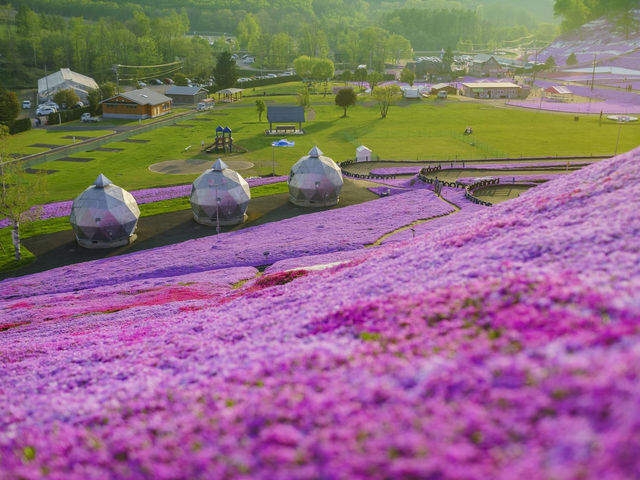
point(220, 196)
point(315, 181)
point(104, 216)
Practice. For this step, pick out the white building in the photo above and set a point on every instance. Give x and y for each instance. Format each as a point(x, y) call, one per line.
point(363, 154)
point(63, 80)
point(491, 90)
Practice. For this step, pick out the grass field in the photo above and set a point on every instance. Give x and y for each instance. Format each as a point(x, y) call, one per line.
point(414, 130)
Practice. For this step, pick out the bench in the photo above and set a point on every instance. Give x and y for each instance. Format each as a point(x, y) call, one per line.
point(285, 128)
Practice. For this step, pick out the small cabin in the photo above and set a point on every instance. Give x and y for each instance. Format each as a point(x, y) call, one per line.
point(363, 154)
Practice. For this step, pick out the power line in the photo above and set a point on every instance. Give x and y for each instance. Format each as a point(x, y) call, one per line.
point(179, 62)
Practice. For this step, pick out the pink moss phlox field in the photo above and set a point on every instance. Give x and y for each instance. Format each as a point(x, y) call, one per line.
point(498, 344)
point(315, 233)
point(147, 195)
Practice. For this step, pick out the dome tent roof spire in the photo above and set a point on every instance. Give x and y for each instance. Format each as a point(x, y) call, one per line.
point(219, 165)
point(315, 152)
point(102, 181)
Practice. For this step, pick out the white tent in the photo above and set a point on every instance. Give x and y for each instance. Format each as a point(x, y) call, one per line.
point(63, 80)
point(220, 196)
point(315, 181)
point(104, 215)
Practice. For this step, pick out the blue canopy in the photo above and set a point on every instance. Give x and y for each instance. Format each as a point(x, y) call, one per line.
point(219, 129)
point(283, 143)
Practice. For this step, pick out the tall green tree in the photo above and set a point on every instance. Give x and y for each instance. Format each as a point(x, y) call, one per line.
point(260, 108)
point(360, 76)
point(248, 32)
point(67, 97)
point(374, 78)
point(16, 193)
point(180, 79)
point(407, 76)
point(303, 65)
point(397, 48)
point(447, 59)
point(225, 72)
point(9, 106)
point(386, 96)
point(345, 98)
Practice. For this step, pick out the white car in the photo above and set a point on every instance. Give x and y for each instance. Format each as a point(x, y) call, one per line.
point(50, 104)
point(45, 110)
point(26, 104)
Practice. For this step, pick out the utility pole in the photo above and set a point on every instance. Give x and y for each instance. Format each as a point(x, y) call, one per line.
point(115, 69)
point(593, 73)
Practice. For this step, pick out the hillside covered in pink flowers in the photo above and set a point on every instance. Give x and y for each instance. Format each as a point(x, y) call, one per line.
point(498, 343)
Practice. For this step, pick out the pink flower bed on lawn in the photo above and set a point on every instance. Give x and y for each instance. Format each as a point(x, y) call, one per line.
point(147, 195)
point(500, 343)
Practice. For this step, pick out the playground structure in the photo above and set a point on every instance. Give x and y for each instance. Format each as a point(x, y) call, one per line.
point(223, 142)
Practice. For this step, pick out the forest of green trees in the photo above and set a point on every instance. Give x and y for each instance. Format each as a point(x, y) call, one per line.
point(91, 36)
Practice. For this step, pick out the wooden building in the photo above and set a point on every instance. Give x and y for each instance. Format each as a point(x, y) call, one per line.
point(444, 87)
point(186, 95)
point(136, 104)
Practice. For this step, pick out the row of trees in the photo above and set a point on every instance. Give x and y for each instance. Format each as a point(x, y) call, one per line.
point(575, 13)
point(38, 42)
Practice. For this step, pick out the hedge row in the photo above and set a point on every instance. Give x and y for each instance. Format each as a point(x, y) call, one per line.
point(66, 115)
point(20, 125)
point(268, 81)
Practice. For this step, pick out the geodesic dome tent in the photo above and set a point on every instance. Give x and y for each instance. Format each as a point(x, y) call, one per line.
point(104, 215)
point(220, 193)
point(315, 181)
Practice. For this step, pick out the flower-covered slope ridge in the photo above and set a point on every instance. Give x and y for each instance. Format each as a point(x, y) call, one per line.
point(502, 345)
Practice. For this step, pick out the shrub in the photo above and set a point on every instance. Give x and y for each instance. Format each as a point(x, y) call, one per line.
point(20, 125)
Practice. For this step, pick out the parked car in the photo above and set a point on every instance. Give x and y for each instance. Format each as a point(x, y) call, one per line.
point(141, 84)
point(156, 81)
point(50, 104)
point(168, 81)
point(86, 117)
point(44, 110)
point(26, 104)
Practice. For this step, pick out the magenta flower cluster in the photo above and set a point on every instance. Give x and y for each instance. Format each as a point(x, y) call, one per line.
point(498, 343)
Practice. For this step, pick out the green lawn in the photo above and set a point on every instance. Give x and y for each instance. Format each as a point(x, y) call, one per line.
point(20, 142)
point(423, 129)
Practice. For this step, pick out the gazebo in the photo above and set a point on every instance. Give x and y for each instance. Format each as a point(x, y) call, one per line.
point(220, 196)
point(315, 181)
point(229, 94)
point(104, 215)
